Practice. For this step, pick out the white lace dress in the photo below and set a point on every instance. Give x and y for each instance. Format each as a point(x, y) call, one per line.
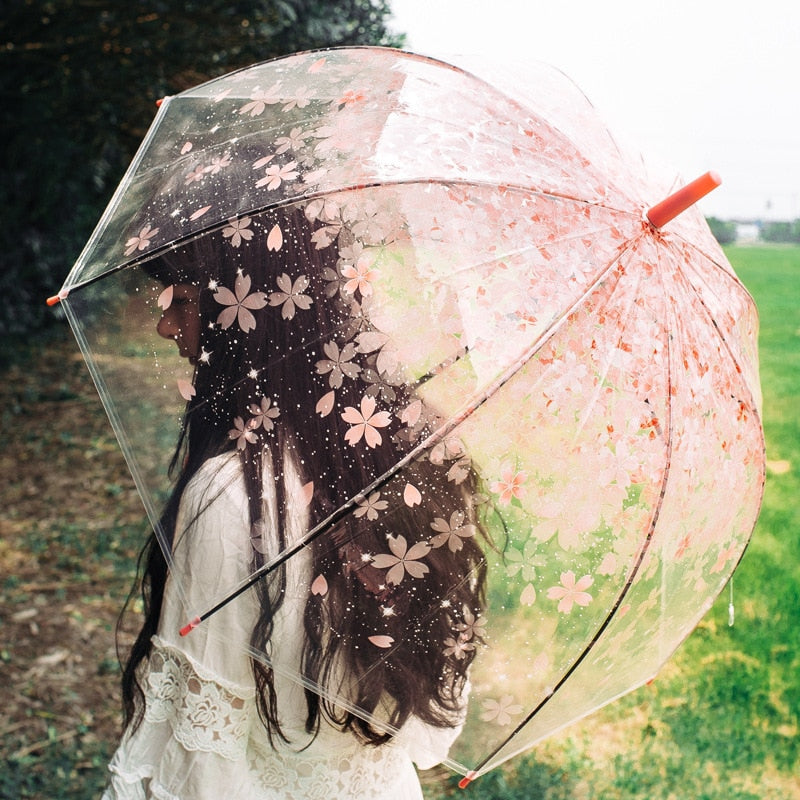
point(201, 737)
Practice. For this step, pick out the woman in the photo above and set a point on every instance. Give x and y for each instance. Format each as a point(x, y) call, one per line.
point(377, 614)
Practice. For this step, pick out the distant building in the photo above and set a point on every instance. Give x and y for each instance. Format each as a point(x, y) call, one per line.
point(747, 232)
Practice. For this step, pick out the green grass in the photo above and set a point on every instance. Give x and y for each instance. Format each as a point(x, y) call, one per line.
point(722, 720)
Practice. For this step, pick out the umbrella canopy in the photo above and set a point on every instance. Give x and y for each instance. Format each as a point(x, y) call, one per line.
point(492, 305)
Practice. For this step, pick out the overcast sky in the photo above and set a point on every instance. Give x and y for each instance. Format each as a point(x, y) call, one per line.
point(699, 84)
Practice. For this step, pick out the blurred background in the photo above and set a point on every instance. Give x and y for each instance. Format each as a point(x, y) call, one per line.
point(708, 85)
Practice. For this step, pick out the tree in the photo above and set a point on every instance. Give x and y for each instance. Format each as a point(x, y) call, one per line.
point(782, 232)
point(79, 81)
point(724, 232)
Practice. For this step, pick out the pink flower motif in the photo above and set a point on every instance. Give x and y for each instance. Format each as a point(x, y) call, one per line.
point(291, 296)
point(142, 241)
point(370, 506)
point(359, 273)
point(196, 175)
point(276, 174)
point(472, 626)
point(451, 533)
point(457, 647)
point(571, 591)
point(403, 559)
point(263, 415)
point(338, 363)
point(510, 485)
point(500, 711)
point(365, 422)
point(239, 303)
point(218, 164)
point(300, 99)
point(243, 433)
point(259, 100)
point(237, 230)
point(294, 141)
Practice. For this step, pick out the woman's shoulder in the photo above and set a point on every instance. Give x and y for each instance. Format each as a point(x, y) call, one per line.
point(219, 474)
point(216, 490)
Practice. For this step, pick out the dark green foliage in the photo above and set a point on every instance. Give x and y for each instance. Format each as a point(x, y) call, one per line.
point(724, 232)
point(78, 84)
point(782, 232)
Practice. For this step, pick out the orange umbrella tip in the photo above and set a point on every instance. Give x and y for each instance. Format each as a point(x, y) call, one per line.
point(159, 102)
point(669, 208)
point(466, 780)
point(190, 626)
point(56, 298)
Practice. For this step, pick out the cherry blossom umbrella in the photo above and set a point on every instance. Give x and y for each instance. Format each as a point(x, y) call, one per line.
point(512, 304)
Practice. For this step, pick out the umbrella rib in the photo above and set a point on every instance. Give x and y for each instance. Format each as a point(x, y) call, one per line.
point(623, 592)
point(431, 441)
point(306, 198)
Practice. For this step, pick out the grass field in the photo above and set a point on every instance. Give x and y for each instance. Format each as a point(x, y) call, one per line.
point(720, 722)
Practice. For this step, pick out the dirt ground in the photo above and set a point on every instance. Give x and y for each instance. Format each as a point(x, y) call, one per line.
point(71, 524)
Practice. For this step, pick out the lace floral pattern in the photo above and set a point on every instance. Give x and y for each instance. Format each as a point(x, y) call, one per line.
point(203, 714)
point(201, 738)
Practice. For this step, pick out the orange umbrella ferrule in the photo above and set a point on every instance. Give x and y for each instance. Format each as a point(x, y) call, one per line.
point(669, 208)
point(56, 298)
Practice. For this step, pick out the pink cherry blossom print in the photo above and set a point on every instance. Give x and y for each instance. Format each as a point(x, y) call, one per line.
point(338, 364)
point(451, 533)
point(262, 162)
point(243, 432)
point(238, 231)
point(299, 99)
point(571, 592)
point(239, 304)
point(472, 627)
point(403, 559)
point(306, 494)
point(196, 175)
point(411, 414)
point(381, 641)
point(200, 213)
point(411, 495)
point(186, 389)
point(275, 239)
point(294, 141)
point(291, 296)
point(501, 711)
point(458, 647)
point(140, 242)
point(218, 163)
point(325, 404)
point(260, 99)
point(187, 148)
point(264, 415)
point(510, 485)
point(165, 298)
point(319, 586)
point(370, 506)
point(358, 270)
point(528, 595)
point(365, 422)
point(277, 174)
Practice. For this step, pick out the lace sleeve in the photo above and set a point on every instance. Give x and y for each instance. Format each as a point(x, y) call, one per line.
point(203, 713)
point(193, 740)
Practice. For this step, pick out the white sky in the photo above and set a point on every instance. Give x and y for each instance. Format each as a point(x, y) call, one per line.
point(699, 84)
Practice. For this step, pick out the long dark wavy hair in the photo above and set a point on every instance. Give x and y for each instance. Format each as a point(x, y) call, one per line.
point(431, 620)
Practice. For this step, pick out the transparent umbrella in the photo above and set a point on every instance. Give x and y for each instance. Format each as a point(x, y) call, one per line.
point(462, 276)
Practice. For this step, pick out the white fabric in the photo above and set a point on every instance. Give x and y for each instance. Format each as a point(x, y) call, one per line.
point(201, 738)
